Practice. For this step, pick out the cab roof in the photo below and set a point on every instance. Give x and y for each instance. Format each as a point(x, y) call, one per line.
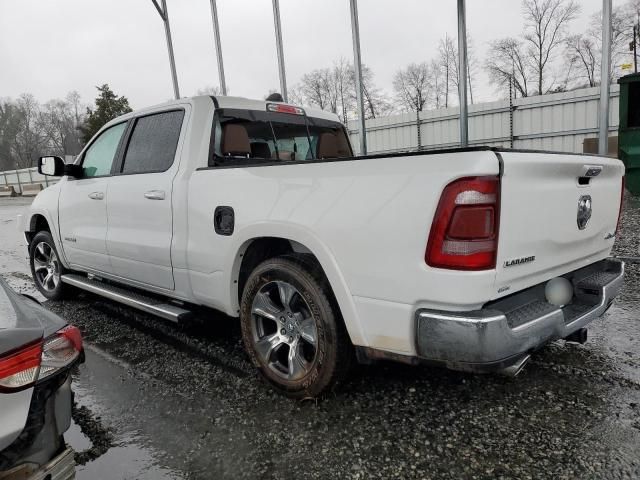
point(223, 102)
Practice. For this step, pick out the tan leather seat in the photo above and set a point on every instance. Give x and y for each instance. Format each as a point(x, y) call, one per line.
point(327, 146)
point(235, 140)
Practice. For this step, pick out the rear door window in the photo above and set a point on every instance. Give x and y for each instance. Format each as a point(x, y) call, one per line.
point(153, 143)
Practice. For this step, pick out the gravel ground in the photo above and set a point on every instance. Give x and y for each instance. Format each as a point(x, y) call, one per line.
point(156, 400)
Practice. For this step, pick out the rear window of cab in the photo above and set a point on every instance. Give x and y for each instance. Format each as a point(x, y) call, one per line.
point(245, 137)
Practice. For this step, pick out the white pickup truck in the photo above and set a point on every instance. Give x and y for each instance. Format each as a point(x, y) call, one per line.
point(260, 210)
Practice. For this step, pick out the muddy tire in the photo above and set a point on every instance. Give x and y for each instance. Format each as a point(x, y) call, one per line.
point(46, 268)
point(292, 328)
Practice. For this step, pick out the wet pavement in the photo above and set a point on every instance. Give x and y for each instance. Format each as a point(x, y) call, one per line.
point(157, 400)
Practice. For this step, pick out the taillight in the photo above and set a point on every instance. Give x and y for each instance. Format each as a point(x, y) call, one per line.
point(464, 233)
point(20, 369)
point(60, 350)
point(620, 209)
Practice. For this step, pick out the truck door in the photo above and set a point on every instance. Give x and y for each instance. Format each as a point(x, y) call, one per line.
point(83, 203)
point(139, 208)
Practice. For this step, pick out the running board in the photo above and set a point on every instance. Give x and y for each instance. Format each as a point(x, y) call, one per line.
point(154, 306)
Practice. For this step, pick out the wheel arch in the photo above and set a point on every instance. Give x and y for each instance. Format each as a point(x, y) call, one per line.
point(39, 220)
point(254, 249)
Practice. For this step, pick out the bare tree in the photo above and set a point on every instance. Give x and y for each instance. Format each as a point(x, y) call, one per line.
point(334, 89)
point(413, 86)
point(29, 129)
point(448, 61)
point(296, 96)
point(210, 90)
point(507, 62)
point(30, 138)
point(546, 25)
point(583, 51)
point(10, 124)
point(315, 88)
point(447, 58)
point(440, 84)
point(376, 102)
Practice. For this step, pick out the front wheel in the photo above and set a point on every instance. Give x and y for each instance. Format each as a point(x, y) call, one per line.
point(46, 267)
point(292, 330)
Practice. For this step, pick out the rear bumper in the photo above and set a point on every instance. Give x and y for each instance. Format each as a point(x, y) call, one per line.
point(63, 467)
point(503, 332)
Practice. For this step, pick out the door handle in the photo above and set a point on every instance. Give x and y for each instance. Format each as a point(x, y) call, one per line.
point(96, 196)
point(154, 195)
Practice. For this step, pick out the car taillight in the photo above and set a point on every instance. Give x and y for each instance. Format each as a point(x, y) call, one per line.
point(20, 369)
point(620, 209)
point(464, 233)
point(60, 350)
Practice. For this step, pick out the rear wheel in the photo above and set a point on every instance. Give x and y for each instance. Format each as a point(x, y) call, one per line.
point(291, 328)
point(46, 267)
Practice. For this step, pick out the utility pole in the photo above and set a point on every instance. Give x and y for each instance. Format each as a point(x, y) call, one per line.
point(280, 50)
point(603, 127)
point(218, 45)
point(164, 15)
point(357, 65)
point(636, 27)
point(463, 69)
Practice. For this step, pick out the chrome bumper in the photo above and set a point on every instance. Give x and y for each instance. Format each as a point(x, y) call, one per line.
point(504, 331)
point(63, 467)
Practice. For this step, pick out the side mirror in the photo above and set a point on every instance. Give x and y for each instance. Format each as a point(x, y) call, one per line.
point(51, 166)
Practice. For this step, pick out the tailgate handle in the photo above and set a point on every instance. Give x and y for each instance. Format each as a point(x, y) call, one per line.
point(587, 173)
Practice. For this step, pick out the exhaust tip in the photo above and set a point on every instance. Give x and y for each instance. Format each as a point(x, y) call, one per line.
point(516, 368)
point(579, 336)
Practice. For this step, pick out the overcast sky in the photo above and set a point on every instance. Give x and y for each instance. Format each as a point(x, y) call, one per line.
point(51, 47)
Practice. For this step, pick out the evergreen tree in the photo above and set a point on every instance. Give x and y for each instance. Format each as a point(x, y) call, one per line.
point(108, 106)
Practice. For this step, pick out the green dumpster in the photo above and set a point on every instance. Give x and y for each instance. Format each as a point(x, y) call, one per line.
point(629, 130)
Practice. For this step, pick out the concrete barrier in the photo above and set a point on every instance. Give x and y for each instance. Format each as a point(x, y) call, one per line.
point(31, 189)
point(7, 191)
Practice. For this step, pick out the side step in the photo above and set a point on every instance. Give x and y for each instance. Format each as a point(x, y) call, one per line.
point(154, 306)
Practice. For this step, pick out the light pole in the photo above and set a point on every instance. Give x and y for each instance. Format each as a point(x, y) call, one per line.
point(167, 30)
point(462, 73)
point(280, 50)
point(603, 124)
point(216, 38)
point(357, 65)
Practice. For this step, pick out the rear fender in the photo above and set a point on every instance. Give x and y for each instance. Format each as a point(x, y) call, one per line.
point(306, 240)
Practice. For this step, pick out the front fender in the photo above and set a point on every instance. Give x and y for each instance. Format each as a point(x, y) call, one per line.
point(46, 205)
point(309, 240)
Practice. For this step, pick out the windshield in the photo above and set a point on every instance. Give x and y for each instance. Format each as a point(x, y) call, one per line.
point(251, 136)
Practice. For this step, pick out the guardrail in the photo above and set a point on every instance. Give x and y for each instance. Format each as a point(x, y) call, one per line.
point(24, 179)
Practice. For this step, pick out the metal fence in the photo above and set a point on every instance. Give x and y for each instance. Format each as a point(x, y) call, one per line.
point(557, 122)
point(26, 176)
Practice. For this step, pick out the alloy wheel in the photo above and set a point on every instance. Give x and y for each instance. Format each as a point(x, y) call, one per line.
point(284, 330)
point(46, 266)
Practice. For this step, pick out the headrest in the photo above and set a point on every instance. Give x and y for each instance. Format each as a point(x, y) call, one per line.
point(235, 140)
point(328, 146)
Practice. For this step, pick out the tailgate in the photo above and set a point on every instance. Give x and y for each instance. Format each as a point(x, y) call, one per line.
point(540, 236)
